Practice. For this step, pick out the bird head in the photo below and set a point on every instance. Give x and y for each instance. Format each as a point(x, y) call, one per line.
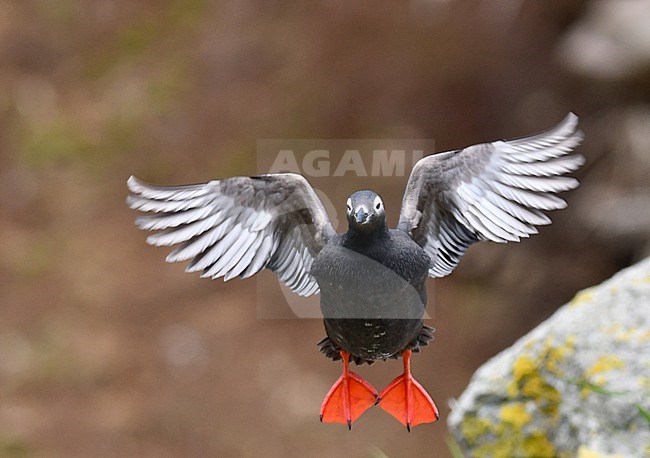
point(365, 211)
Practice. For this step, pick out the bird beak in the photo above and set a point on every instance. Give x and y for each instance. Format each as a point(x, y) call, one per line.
point(361, 216)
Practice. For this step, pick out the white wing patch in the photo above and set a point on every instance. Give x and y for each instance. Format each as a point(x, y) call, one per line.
point(226, 232)
point(493, 191)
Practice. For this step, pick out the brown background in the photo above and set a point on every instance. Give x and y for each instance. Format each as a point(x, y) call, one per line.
point(105, 350)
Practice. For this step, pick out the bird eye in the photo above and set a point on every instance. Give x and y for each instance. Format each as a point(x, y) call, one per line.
point(377, 203)
point(378, 206)
point(349, 205)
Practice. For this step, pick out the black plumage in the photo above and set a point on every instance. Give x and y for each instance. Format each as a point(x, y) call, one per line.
point(372, 285)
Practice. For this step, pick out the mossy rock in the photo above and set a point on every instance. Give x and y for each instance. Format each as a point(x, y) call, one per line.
point(577, 385)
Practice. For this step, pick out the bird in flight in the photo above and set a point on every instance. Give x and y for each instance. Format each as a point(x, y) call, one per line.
point(371, 278)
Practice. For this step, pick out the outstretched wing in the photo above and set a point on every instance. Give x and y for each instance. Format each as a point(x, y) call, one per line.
point(491, 191)
point(238, 226)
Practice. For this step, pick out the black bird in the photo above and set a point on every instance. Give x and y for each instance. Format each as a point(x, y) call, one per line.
point(371, 278)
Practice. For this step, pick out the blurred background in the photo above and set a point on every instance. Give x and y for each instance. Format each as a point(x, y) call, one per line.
point(105, 350)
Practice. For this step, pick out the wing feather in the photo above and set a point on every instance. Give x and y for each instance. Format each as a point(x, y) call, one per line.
point(492, 191)
point(238, 226)
point(245, 259)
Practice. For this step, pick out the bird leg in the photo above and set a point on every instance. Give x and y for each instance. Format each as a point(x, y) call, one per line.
point(406, 400)
point(349, 397)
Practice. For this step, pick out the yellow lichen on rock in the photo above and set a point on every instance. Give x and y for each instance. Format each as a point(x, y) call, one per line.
point(586, 295)
point(604, 364)
point(508, 437)
point(644, 382)
point(510, 441)
point(626, 334)
point(595, 375)
point(538, 445)
point(642, 280)
point(524, 366)
point(515, 414)
point(585, 452)
point(553, 355)
point(474, 428)
point(528, 381)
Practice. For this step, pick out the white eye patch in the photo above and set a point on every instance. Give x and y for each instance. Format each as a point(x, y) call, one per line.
point(349, 205)
point(378, 203)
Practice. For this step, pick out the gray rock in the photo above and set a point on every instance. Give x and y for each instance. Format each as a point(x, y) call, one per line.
point(577, 385)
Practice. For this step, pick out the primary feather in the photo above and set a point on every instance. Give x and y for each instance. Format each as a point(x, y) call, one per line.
point(491, 191)
point(238, 226)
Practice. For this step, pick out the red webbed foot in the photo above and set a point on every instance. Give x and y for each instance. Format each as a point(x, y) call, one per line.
point(349, 397)
point(406, 400)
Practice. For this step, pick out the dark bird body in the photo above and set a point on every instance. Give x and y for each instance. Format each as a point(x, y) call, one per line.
point(371, 278)
point(373, 294)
